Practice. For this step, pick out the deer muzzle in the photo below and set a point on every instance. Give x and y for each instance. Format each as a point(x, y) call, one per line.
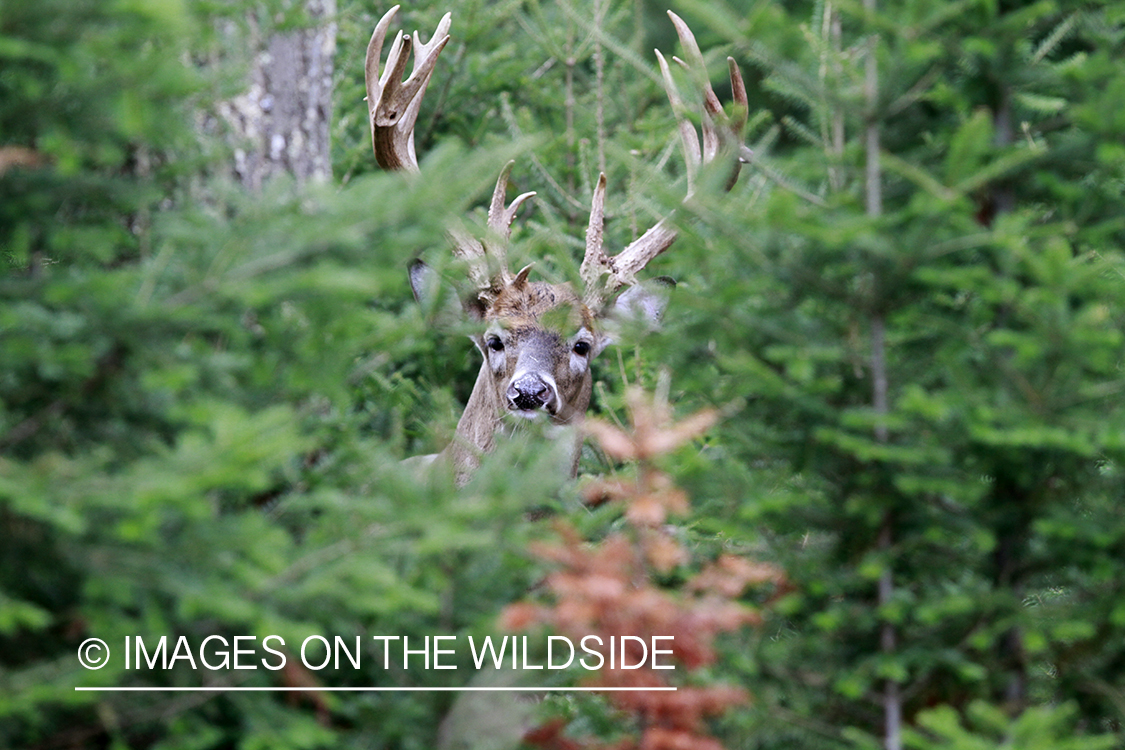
point(530, 392)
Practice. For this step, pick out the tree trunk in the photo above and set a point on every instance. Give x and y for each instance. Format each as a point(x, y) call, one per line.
point(281, 122)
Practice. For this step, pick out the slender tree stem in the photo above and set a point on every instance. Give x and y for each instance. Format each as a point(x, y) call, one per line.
point(892, 696)
point(871, 95)
point(1010, 541)
point(599, 82)
point(833, 131)
point(879, 376)
point(569, 106)
point(1002, 124)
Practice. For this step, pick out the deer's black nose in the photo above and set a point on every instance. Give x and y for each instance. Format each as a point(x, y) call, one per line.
point(529, 392)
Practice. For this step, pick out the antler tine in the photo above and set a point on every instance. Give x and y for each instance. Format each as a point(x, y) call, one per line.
point(471, 250)
point(477, 253)
point(717, 128)
point(689, 139)
point(392, 103)
point(624, 266)
point(595, 262)
point(425, 60)
point(393, 106)
point(695, 65)
point(500, 219)
point(741, 101)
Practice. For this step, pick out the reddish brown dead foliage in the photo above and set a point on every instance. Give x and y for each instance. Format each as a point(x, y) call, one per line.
point(607, 589)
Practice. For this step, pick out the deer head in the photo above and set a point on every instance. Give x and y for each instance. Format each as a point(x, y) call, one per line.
point(538, 338)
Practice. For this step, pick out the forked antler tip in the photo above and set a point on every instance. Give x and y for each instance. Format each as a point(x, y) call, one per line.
point(393, 103)
point(499, 216)
point(439, 38)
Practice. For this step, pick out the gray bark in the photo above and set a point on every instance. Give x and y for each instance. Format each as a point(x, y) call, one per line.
point(281, 122)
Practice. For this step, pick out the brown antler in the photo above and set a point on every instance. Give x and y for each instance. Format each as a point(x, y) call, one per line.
point(477, 253)
point(393, 105)
point(717, 128)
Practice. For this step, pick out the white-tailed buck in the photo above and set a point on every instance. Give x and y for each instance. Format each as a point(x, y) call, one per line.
point(538, 338)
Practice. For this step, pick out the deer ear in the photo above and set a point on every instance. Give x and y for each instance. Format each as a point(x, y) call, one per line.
point(642, 304)
point(646, 301)
point(424, 282)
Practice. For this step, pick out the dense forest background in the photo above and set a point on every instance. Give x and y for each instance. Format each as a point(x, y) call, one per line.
point(908, 314)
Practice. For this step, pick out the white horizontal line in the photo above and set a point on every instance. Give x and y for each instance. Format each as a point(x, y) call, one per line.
point(371, 689)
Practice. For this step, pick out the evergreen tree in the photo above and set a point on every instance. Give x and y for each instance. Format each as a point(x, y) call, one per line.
point(204, 400)
point(907, 313)
point(930, 430)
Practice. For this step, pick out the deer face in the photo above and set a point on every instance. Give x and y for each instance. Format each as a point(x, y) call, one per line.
point(538, 341)
point(538, 344)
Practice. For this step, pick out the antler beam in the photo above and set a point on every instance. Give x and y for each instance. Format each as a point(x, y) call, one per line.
point(392, 107)
point(718, 129)
point(392, 103)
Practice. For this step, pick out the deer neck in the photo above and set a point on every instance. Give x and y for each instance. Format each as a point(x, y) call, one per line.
point(476, 429)
point(484, 417)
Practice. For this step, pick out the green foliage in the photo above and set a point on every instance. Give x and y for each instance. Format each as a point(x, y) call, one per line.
point(1044, 727)
point(1002, 357)
point(204, 399)
point(205, 393)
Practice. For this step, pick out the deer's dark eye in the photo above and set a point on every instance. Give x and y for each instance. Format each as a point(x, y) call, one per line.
point(495, 344)
point(581, 348)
